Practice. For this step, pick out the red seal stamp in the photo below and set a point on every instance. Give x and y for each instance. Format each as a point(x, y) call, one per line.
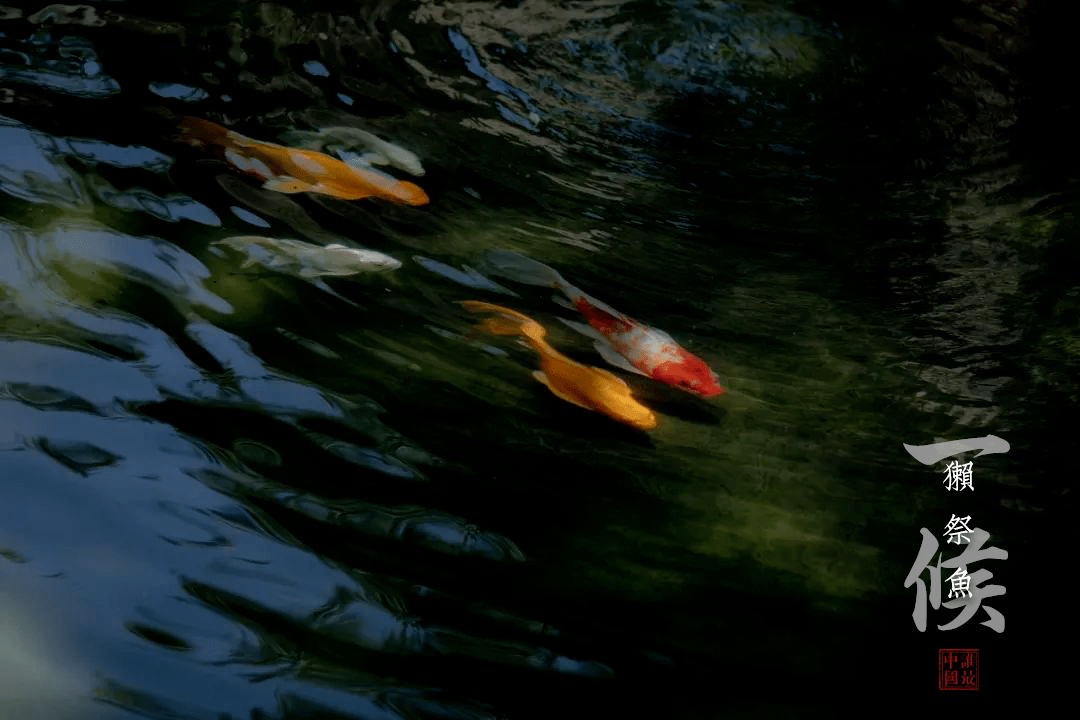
point(958, 669)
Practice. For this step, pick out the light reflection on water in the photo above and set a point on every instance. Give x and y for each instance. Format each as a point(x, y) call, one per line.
point(230, 491)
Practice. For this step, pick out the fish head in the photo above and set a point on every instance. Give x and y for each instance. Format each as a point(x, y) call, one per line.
point(341, 260)
point(625, 408)
point(616, 400)
point(640, 417)
point(691, 374)
point(373, 260)
point(355, 182)
point(408, 193)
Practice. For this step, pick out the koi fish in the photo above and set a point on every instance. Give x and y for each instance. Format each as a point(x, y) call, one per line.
point(308, 260)
point(292, 170)
point(622, 341)
point(588, 387)
point(347, 141)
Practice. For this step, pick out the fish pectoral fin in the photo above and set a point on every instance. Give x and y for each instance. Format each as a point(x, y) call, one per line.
point(561, 300)
point(614, 358)
point(327, 289)
point(286, 184)
point(587, 330)
point(542, 377)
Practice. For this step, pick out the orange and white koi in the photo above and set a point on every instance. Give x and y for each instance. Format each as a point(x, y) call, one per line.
point(293, 170)
point(585, 386)
point(622, 341)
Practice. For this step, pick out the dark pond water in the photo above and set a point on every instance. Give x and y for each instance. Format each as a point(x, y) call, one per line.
point(230, 491)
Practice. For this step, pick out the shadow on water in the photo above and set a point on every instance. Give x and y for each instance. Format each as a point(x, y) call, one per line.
point(234, 490)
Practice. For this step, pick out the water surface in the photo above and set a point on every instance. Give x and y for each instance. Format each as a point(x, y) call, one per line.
point(232, 492)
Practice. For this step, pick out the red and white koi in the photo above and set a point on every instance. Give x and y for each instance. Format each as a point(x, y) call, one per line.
point(621, 340)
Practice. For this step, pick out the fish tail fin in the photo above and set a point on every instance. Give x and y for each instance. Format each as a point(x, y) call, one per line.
point(509, 322)
point(197, 131)
point(525, 270)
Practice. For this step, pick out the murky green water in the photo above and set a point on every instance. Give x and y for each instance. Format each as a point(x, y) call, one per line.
point(230, 491)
